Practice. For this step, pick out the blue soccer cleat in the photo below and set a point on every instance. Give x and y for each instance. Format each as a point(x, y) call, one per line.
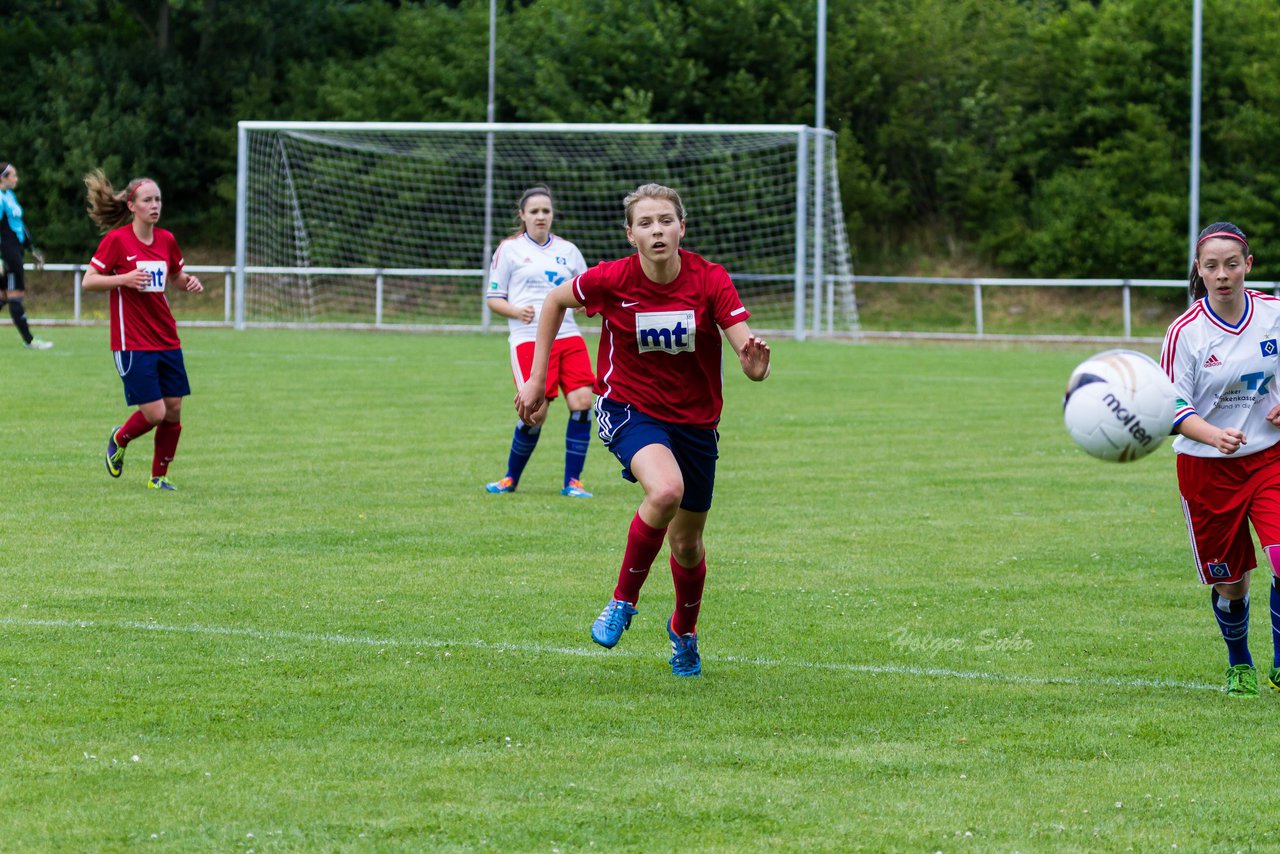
point(613, 621)
point(115, 454)
point(506, 484)
point(685, 660)
point(575, 489)
point(160, 483)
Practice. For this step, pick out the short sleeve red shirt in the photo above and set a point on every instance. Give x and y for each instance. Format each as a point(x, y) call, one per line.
point(140, 320)
point(660, 347)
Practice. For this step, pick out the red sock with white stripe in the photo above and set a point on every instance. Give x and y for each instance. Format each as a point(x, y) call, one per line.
point(166, 446)
point(137, 425)
point(643, 545)
point(689, 582)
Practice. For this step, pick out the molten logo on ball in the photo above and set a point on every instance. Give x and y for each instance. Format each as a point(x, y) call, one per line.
point(1119, 405)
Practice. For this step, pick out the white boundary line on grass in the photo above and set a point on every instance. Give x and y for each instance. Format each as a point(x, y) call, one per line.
point(584, 651)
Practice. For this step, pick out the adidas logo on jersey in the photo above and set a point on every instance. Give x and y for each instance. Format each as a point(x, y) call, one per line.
point(1212, 362)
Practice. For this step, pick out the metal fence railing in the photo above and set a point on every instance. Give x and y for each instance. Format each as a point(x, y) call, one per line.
point(976, 285)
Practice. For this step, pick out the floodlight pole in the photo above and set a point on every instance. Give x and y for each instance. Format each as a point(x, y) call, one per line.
point(242, 216)
point(1193, 226)
point(819, 185)
point(485, 314)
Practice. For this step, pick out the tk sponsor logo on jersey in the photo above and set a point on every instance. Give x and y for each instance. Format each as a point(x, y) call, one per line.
point(1257, 381)
point(665, 331)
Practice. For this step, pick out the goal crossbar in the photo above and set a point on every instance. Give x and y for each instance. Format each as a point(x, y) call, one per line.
point(318, 203)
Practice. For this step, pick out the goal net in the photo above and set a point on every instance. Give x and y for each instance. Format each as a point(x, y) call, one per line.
point(392, 224)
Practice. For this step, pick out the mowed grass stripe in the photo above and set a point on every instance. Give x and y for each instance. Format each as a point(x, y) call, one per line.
point(327, 638)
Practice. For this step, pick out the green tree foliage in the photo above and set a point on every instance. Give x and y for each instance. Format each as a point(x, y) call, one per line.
point(1047, 137)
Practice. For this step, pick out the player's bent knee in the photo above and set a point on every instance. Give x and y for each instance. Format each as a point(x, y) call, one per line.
point(1234, 590)
point(666, 496)
point(687, 552)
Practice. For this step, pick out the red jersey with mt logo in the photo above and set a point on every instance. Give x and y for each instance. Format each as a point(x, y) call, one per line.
point(660, 347)
point(140, 320)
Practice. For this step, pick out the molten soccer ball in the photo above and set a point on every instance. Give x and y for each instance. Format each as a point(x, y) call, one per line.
point(1119, 405)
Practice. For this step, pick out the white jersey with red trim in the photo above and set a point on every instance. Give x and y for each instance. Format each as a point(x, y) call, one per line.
point(524, 272)
point(1226, 373)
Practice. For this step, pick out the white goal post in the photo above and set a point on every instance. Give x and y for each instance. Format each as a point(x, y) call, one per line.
point(392, 224)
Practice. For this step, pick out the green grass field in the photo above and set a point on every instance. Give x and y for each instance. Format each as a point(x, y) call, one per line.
point(930, 623)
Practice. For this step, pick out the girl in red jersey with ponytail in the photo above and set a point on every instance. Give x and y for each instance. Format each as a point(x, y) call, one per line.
point(136, 262)
point(658, 381)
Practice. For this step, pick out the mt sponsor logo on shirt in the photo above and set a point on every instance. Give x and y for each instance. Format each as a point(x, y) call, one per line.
point(665, 331)
point(158, 271)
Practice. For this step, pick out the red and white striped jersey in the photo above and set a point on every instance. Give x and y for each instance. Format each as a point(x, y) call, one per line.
point(524, 272)
point(1226, 373)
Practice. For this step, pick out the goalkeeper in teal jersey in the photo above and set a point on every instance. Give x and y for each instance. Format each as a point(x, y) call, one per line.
point(14, 238)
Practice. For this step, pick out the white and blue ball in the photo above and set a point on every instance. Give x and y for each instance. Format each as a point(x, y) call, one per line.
point(1119, 405)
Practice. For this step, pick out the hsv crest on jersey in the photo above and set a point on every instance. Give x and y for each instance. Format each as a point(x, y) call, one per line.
point(1268, 347)
point(1218, 570)
point(665, 331)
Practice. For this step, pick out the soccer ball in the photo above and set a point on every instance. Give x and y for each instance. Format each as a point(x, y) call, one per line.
point(1119, 405)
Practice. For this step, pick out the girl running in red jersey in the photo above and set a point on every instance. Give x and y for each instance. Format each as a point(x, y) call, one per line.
point(136, 262)
point(659, 384)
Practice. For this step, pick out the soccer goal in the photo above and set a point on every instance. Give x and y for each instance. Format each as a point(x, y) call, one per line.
point(393, 224)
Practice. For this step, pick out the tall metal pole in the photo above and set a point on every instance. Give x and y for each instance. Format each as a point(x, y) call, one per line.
point(1193, 223)
point(802, 205)
point(242, 215)
point(485, 315)
point(819, 184)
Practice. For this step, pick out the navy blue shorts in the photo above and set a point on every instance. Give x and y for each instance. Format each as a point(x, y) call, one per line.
point(625, 430)
point(149, 375)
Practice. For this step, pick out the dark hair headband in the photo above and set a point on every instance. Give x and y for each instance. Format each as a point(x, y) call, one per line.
point(1232, 235)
